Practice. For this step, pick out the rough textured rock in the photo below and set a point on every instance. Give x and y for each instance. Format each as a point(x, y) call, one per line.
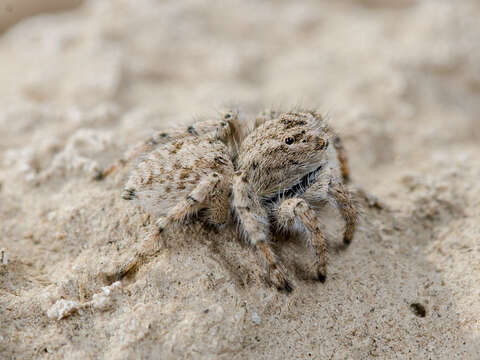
point(400, 81)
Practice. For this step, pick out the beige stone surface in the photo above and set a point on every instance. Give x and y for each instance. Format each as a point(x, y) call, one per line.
point(12, 11)
point(400, 81)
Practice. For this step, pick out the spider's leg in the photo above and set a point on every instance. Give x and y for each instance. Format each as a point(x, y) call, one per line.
point(191, 203)
point(342, 159)
point(148, 249)
point(145, 146)
point(346, 205)
point(185, 208)
point(297, 213)
point(218, 211)
point(141, 148)
point(253, 219)
point(225, 129)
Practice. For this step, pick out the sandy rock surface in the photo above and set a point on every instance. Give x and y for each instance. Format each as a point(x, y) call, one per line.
point(400, 81)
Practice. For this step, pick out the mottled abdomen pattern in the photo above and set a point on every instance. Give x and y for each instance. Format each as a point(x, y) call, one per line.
point(171, 172)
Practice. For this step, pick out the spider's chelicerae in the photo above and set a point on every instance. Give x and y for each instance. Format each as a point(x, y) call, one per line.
point(271, 179)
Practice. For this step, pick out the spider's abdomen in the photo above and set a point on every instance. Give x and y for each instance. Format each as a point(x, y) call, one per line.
point(171, 172)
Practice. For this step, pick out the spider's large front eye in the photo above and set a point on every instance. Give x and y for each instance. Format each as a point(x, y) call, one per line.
point(289, 141)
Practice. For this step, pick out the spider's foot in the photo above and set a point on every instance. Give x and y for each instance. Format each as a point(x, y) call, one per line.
point(161, 224)
point(126, 268)
point(321, 276)
point(279, 280)
point(319, 271)
point(347, 239)
point(287, 287)
point(102, 174)
point(99, 176)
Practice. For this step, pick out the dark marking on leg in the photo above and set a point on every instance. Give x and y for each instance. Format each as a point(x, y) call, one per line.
point(129, 194)
point(184, 174)
point(99, 176)
point(342, 158)
point(191, 130)
point(287, 287)
point(221, 160)
point(321, 277)
point(192, 199)
point(276, 272)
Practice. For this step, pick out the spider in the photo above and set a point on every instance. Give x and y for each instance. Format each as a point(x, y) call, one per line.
point(272, 179)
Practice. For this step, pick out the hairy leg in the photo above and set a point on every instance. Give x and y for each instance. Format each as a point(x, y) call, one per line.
point(253, 219)
point(346, 205)
point(141, 148)
point(225, 129)
point(187, 207)
point(218, 212)
point(191, 203)
point(148, 249)
point(342, 159)
point(296, 210)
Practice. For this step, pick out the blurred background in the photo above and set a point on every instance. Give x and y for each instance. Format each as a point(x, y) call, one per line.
point(402, 77)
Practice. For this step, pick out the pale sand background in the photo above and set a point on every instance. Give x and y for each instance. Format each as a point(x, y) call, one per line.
point(401, 82)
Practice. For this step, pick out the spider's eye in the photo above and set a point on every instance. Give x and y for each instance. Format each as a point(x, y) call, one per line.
point(289, 141)
point(227, 116)
point(223, 124)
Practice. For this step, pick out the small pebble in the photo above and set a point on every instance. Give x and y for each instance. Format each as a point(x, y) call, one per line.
point(256, 319)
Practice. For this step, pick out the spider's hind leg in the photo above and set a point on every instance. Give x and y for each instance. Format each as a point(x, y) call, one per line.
point(141, 148)
point(192, 203)
point(189, 206)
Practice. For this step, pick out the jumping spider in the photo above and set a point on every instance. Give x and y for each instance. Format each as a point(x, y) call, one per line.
point(272, 179)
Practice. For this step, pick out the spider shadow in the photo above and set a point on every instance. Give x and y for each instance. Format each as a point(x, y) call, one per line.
point(239, 259)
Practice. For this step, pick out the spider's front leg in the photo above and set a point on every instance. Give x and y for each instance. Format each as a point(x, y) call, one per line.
point(253, 219)
point(296, 213)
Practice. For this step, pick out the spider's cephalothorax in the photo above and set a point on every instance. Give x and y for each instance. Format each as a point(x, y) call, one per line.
point(287, 167)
